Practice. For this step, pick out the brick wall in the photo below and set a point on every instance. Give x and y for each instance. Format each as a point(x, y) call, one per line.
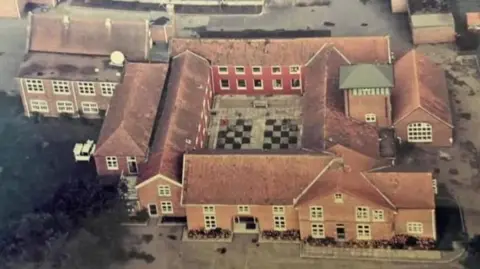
point(148, 194)
point(360, 105)
point(102, 170)
point(12, 8)
point(433, 35)
point(399, 6)
point(425, 216)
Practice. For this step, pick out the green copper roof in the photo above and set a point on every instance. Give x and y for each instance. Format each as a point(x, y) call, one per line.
point(366, 76)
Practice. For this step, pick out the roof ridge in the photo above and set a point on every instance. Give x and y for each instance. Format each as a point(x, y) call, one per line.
point(378, 190)
point(415, 74)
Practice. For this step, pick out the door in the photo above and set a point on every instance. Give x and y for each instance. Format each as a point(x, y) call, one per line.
point(341, 233)
point(245, 224)
point(132, 165)
point(152, 210)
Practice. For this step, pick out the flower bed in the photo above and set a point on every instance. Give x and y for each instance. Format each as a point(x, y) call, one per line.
point(396, 242)
point(288, 235)
point(217, 233)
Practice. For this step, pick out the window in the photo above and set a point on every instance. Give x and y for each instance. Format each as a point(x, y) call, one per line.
point(362, 214)
point(435, 186)
point(34, 85)
point(107, 88)
point(243, 209)
point(316, 213)
point(338, 198)
point(223, 70)
point(65, 107)
point(241, 84)
point(279, 223)
point(378, 215)
point(112, 163)
point(166, 207)
point(257, 70)
point(210, 222)
point(61, 87)
point(257, 84)
point(224, 84)
point(89, 108)
point(209, 209)
point(86, 88)
point(278, 210)
point(164, 191)
point(39, 106)
point(414, 228)
point(276, 70)
point(370, 117)
point(152, 210)
point(294, 69)
point(318, 230)
point(364, 232)
point(239, 70)
point(132, 165)
point(419, 132)
point(295, 83)
point(277, 84)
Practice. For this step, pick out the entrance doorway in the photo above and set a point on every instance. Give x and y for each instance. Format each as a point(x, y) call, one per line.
point(245, 224)
point(341, 232)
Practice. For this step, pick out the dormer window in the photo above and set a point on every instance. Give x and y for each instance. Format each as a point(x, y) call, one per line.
point(370, 118)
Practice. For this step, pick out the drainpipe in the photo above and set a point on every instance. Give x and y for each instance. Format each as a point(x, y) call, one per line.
point(434, 228)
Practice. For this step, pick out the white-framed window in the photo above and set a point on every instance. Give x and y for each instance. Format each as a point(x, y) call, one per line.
point(277, 84)
point(276, 70)
point(239, 70)
point(132, 165)
point(419, 132)
point(364, 232)
point(65, 107)
point(223, 70)
point(316, 213)
point(338, 198)
point(152, 210)
point(362, 213)
point(243, 209)
point(208, 209)
point(89, 107)
point(378, 215)
point(256, 70)
point(415, 228)
point(279, 223)
point(258, 84)
point(39, 106)
point(34, 86)
point(295, 83)
point(61, 87)
point(318, 230)
point(241, 84)
point(435, 186)
point(166, 207)
point(86, 88)
point(370, 117)
point(210, 222)
point(224, 84)
point(278, 210)
point(164, 191)
point(112, 162)
point(107, 88)
point(294, 69)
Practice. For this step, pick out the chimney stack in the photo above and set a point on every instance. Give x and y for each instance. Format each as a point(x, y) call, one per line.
point(108, 23)
point(66, 20)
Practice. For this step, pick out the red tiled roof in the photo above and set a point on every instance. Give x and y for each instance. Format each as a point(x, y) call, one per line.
point(189, 76)
point(473, 19)
point(89, 36)
point(128, 124)
point(420, 84)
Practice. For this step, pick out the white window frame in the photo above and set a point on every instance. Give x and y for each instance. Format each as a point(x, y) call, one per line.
point(149, 211)
point(222, 87)
point(238, 84)
point(370, 118)
point(299, 86)
point(364, 232)
point(90, 108)
point(166, 207)
point(112, 162)
point(164, 191)
point(61, 87)
point(378, 215)
point(338, 198)
point(219, 69)
point(279, 70)
point(255, 87)
point(415, 228)
point(435, 185)
point(275, 87)
point(40, 106)
point(63, 107)
point(291, 71)
point(414, 128)
point(362, 213)
point(210, 222)
point(132, 159)
point(317, 230)
point(86, 88)
point(34, 85)
point(243, 209)
point(316, 213)
point(208, 209)
point(258, 72)
point(108, 88)
point(279, 223)
point(240, 72)
point(278, 210)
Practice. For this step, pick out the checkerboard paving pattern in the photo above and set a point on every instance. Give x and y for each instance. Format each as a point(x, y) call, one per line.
point(234, 134)
point(281, 134)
